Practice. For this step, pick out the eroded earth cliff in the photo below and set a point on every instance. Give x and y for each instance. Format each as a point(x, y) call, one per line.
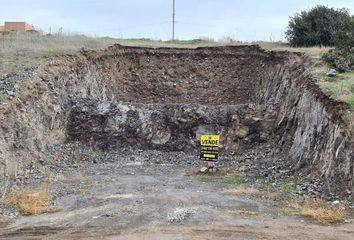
point(265, 105)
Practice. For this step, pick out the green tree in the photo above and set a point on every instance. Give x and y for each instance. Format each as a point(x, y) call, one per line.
point(317, 27)
point(344, 38)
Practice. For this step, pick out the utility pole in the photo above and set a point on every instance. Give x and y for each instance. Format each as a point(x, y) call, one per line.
point(173, 20)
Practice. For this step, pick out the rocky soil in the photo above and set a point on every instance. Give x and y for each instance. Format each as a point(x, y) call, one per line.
point(130, 194)
point(142, 110)
point(273, 96)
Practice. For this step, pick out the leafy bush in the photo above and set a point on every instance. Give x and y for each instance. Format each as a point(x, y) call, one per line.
point(340, 58)
point(318, 26)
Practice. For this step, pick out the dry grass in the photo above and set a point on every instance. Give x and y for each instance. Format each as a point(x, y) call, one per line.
point(147, 189)
point(242, 213)
point(31, 201)
point(18, 52)
point(321, 211)
point(243, 191)
point(21, 51)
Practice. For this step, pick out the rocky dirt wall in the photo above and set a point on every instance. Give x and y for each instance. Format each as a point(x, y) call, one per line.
point(306, 124)
point(34, 111)
point(166, 127)
point(311, 124)
point(316, 132)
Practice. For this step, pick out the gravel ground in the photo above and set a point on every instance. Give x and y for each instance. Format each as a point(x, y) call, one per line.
point(155, 195)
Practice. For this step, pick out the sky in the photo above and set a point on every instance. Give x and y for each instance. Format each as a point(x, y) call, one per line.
point(247, 20)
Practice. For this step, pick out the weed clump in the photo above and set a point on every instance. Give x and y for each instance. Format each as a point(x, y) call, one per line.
point(233, 179)
point(243, 191)
point(31, 201)
point(242, 213)
point(321, 211)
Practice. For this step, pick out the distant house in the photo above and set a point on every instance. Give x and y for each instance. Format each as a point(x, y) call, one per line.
point(18, 27)
point(1, 29)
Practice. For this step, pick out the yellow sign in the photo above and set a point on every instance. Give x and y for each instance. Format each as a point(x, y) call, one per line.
point(209, 147)
point(210, 140)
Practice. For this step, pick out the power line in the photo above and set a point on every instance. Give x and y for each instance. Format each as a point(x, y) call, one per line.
point(194, 23)
point(130, 27)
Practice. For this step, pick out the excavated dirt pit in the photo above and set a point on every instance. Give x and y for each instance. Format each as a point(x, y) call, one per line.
point(118, 133)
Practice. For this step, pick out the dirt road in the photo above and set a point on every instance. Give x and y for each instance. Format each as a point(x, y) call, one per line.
point(139, 198)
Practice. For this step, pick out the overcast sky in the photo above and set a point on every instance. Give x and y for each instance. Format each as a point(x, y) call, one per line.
point(245, 20)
